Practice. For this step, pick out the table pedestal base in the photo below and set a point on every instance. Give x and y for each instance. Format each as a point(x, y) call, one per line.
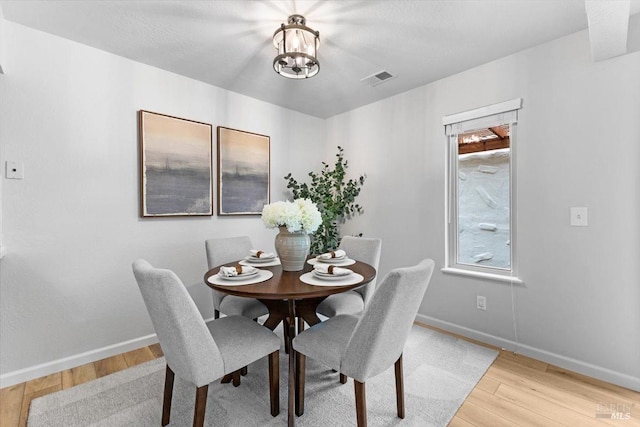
point(286, 311)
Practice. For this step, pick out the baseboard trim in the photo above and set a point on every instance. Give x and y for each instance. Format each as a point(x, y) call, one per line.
point(59, 365)
point(48, 368)
point(564, 362)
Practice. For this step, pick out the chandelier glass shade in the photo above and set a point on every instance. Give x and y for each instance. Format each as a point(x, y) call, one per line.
point(297, 47)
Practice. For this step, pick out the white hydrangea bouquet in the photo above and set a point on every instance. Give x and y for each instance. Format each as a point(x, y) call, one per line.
point(299, 215)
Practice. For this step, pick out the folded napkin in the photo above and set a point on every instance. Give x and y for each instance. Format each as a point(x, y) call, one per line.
point(260, 254)
point(332, 269)
point(237, 270)
point(333, 254)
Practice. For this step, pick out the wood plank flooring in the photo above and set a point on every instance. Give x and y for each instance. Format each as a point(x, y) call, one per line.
point(15, 400)
point(515, 391)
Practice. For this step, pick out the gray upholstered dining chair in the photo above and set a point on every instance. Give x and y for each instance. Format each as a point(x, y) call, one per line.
point(197, 352)
point(364, 346)
point(222, 251)
point(351, 302)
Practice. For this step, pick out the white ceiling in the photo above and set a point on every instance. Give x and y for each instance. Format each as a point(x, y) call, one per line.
point(228, 43)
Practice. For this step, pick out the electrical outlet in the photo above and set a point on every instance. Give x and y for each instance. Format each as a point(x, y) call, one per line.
point(481, 302)
point(14, 170)
point(580, 217)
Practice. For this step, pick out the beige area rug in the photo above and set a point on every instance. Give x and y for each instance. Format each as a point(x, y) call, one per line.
point(440, 371)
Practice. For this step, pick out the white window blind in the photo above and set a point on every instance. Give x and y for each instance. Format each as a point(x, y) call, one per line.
point(493, 115)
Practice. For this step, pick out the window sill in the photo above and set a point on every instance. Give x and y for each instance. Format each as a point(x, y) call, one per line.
point(481, 275)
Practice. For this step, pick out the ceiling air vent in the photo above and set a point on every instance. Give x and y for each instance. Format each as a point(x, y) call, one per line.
point(377, 78)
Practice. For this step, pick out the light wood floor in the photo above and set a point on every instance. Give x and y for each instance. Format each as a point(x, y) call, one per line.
point(515, 391)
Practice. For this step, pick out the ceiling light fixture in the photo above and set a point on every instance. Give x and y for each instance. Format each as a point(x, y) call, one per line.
point(297, 47)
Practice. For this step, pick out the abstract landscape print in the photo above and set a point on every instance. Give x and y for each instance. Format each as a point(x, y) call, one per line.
point(175, 166)
point(243, 172)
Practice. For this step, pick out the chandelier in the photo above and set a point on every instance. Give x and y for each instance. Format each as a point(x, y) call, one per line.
point(297, 47)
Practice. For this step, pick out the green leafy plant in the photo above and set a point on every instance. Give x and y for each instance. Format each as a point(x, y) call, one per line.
point(334, 197)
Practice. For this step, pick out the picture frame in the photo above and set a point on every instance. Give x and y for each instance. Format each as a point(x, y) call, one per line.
point(243, 172)
point(176, 166)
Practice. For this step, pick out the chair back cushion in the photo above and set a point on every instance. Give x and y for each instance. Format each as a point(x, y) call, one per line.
point(378, 338)
point(367, 250)
point(188, 346)
point(222, 251)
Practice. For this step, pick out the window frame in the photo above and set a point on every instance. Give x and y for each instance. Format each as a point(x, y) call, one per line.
point(504, 113)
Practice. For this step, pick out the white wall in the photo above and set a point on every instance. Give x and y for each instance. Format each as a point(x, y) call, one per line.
point(72, 226)
point(3, 64)
point(578, 145)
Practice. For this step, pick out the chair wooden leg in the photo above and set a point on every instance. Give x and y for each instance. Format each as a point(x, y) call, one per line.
point(168, 394)
point(361, 403)
point(300, 382)
point(285, 327)
point(274, 382)
point(201, 404)
point(343, 379)
point(400, 387)
point(216, 314)
point(243, 371)
point(300, 324)
point(236, 378)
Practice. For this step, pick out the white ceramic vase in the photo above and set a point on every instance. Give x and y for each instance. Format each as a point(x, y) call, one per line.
point(292, 248)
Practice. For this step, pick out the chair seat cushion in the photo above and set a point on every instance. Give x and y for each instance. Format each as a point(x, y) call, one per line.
point(349, 302)
point(326, 341)
point(232, 305)
point(242, 341)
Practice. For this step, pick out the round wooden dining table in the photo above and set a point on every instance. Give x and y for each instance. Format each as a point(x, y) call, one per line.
point(288, 299)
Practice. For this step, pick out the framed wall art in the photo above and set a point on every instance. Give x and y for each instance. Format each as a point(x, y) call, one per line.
point(243, 172)
point(175, 166)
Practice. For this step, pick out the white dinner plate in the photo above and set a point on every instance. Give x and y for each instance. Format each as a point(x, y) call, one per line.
point(327, 276)
point(262, 275)
point(342, 263)
point(350, 279)
point(259, 260)
point(239, 276)
point(332, 260)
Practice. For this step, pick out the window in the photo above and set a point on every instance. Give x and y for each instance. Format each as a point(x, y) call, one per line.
point(481, 226)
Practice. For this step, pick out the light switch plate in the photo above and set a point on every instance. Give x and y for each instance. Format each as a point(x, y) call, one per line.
point(14, 170)
point(579, 217)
